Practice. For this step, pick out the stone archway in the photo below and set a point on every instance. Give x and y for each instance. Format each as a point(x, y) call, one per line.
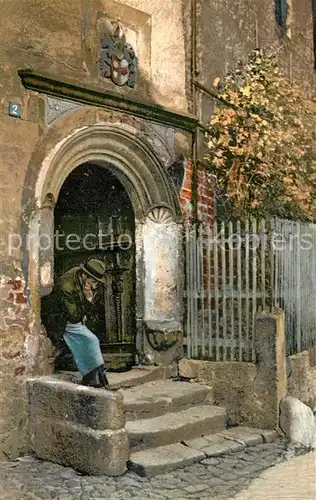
point(159, 269)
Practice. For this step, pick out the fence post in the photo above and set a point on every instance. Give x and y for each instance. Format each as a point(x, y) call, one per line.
point(271, 381)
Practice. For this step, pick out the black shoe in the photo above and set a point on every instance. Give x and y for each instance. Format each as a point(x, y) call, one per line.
point(103, 378)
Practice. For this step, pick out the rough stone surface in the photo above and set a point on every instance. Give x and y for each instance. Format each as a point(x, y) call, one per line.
point(86, 450)
point(54, 399)
point(163, 459)
point(220, 478)
point(136, 376)
point(74, 425)
point(302, 382)
point(156, 398)
point(298, 421)
point(174, 427)
point(243, 435)
point(232, 386)
point(270, 383)
point(214, 445)
point(189, 368)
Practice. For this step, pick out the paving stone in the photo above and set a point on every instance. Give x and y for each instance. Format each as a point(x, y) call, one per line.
point(247, 457)
point(215, 481)
point(73, 483)
point(221, 477)
point(214, 471)
point(228, 476)
point(196, 488)
point(210, 461)
point(243, 435)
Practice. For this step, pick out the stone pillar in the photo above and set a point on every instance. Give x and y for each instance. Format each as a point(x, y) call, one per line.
point(163, 287)
point(46, 247)
point(77, 426)
point(270, 384)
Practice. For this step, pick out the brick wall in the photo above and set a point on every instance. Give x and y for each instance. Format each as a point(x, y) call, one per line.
point(203, 195)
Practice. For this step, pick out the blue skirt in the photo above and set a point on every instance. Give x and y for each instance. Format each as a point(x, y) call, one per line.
point(84, 346)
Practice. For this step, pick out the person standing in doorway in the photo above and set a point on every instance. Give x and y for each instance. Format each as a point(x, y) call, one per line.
point(77, 288)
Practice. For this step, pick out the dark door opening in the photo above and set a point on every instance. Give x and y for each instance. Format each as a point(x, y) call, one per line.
point(94, 218)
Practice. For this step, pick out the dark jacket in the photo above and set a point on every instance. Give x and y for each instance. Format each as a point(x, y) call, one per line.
point(66, 303)
point(75, 304)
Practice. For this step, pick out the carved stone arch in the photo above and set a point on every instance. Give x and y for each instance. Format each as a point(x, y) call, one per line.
point(157, 213)
point(133, 161)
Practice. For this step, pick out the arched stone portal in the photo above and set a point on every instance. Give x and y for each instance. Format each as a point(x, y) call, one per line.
point(158, 229)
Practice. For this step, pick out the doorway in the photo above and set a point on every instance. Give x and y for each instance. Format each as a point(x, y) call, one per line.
point(94, 217)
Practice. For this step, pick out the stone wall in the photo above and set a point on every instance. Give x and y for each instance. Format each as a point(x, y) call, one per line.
point(233, 29)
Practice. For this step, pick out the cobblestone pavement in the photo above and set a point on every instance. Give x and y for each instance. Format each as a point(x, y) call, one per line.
point(214, 478)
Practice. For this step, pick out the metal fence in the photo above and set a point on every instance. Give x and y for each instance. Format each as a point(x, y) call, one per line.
point(235, 270)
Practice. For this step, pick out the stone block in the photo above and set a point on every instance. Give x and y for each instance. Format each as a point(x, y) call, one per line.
point(243, 435)
point(53, 398)
point(84, 449)
point(298, 422)
point(269, 435)
point(302, 382)
point(232, 386)
point(163, 459)
point(189, 368)
point(270, 385)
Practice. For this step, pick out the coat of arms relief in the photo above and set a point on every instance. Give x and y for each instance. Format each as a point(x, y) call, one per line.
point(118, 60)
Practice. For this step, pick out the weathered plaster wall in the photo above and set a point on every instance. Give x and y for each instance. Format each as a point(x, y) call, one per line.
point(235, 28)
point(62, 40)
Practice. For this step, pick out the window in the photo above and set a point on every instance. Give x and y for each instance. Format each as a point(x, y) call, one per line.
point(283, 14)
point(281, 11)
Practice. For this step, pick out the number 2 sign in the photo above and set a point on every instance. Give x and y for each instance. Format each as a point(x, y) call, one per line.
point(15, 110)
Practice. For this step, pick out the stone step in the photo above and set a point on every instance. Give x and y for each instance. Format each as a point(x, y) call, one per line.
point(157, 398)
point(164, 459)
point(175, 427)
point(134, 377)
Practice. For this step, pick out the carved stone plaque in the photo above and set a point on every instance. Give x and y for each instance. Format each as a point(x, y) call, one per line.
point(118, 60)
point(56, 107)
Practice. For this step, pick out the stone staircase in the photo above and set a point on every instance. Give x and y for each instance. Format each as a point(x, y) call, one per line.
point(151, 422)
point(161, 416)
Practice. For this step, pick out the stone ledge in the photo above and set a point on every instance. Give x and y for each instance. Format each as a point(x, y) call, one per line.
point(163, 459)
point(234, 439)
point(56, 399)
point(77, 426)
point(136, 376)
point(86, 450)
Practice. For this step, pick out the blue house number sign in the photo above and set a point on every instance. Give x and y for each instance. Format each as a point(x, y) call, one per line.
point(15, 110)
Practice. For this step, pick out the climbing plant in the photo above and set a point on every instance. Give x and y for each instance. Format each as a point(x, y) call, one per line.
point(261, 142)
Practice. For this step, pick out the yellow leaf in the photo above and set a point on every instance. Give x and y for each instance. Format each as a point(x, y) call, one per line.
point(216, 81)
point(246, 91)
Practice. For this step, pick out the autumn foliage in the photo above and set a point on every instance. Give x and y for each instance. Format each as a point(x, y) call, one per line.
point(261, 143)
